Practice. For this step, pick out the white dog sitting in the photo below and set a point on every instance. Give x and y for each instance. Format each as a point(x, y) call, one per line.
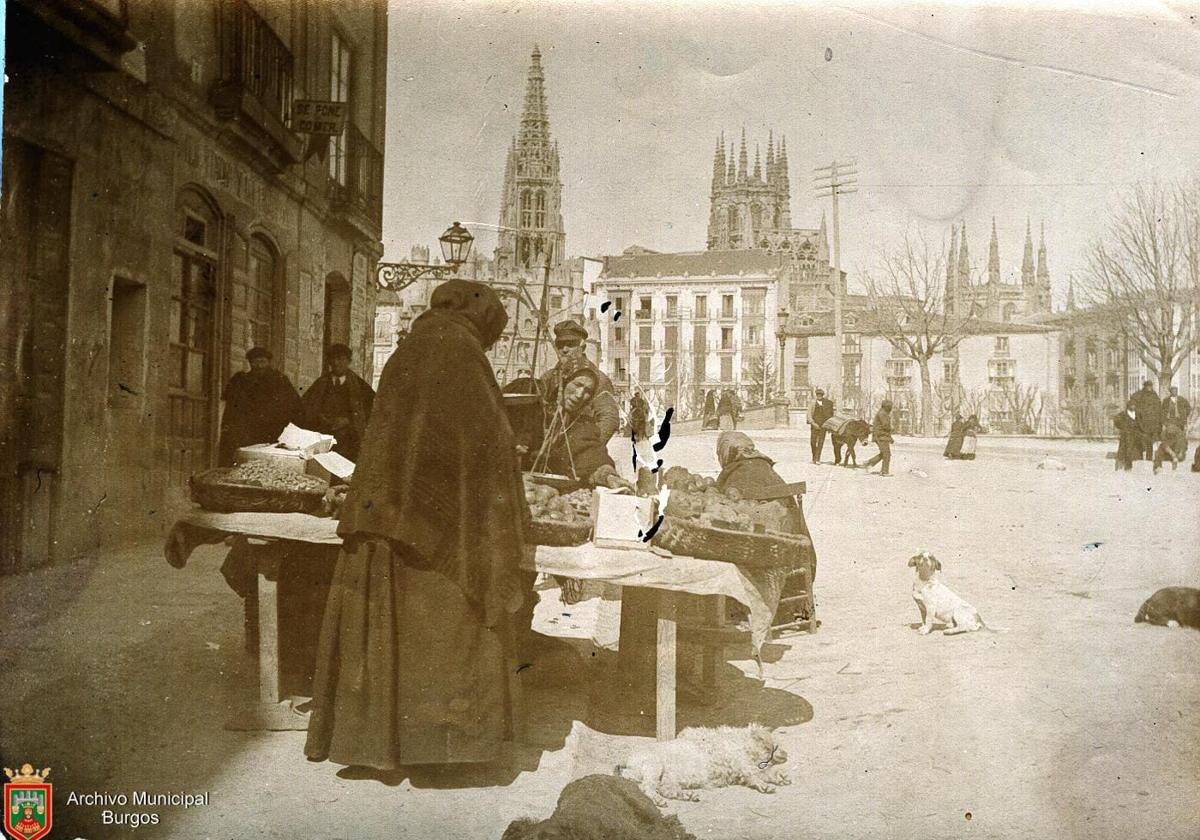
point(937, 603)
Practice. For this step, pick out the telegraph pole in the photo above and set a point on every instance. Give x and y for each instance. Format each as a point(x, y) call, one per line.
point(830, 182)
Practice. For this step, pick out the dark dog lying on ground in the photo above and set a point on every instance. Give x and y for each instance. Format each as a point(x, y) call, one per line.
point(856, 431)
point(1174, 606)
point(601, 808)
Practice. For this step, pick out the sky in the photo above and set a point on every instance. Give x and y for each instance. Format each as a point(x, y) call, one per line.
point(952, 114)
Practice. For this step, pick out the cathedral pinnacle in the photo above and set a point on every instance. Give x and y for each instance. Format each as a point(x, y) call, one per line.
point(1027, 275)
point(994, 257)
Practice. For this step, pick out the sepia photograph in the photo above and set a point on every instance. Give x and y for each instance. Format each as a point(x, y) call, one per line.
point(423, 419)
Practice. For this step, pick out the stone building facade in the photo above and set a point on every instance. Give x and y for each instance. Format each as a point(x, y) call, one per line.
point(165, 218)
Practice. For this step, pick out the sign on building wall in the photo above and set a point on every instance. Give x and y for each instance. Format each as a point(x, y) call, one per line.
point(314, 116)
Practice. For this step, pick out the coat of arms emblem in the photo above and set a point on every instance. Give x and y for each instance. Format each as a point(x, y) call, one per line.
point(27, 803)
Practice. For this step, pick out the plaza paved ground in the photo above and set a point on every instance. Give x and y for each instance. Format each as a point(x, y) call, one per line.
point(1071, 722)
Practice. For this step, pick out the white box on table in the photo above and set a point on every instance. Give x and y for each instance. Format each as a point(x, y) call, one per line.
point(620, 517)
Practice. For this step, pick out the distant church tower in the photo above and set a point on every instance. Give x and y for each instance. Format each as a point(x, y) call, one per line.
point(531, 225)
point(749, 208)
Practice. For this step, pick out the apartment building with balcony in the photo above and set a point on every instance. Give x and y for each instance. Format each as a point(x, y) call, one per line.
point(690, 323)
point(164, 217)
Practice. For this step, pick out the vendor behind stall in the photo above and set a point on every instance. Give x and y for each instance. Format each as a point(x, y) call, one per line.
point(259, 403)
point(573, 445)
point(339, 403)
point(745, 468)
point(418, 641)
point(570, 338)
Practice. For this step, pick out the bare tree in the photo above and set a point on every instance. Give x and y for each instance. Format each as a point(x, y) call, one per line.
point(1145, 272)
point(761, 380)
point(905, 292)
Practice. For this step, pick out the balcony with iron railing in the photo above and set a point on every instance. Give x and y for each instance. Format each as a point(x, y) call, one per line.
point(362, 191)
point(254, 85)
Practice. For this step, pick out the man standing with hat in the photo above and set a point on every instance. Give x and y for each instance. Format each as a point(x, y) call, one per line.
point(822, 410)
point(339, 403)
point(258, 404)
point(570, 338)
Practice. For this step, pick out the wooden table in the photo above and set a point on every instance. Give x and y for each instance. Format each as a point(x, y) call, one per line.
point(265, 538)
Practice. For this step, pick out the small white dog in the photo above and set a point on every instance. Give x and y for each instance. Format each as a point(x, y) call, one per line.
point(937, 603)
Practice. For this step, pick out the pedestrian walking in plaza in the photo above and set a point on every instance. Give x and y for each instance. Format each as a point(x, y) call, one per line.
point(955, 441)
point(881, 431)
point(1175, 411)
point(971, 428)
point(259, 403)
point(639, 410)
point(822, 410)
point(339, 403)
point(1148, 407)
point(1129, 445)
point(725, 419)
point(709, 420)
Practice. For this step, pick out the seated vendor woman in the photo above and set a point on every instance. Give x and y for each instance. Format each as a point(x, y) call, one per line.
point(750, 471)
point(573, 445)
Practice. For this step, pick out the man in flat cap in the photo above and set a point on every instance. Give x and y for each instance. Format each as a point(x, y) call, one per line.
point(258, 404)
point(339, 403)
point(570, 338)
point(822, 410)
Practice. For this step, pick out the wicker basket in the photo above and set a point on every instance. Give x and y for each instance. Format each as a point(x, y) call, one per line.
point(768, 550)
point(553, 532)
point(212, 490)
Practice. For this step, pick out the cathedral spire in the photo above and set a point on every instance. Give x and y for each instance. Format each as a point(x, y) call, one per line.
point(718, 180)
point(1027, 263)
point(535, 125)
point(757, 163)
point(730, 173)
point(1043, 272)
point(782, 162)
point(741, 170)
point(951, 293)
point(770, 156)
point(963, 275)
point(1071, 294)
point(994, 258)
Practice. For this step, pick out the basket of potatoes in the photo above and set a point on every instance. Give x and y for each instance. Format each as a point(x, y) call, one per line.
point(562, 519)
point(259, 487)
point(701, 521)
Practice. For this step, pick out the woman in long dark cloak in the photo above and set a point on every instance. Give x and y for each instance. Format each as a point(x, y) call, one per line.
point(954, 443)
point(412, 664)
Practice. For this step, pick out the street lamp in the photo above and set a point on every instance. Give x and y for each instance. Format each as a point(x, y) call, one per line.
point(782, 332)
point(456, 246)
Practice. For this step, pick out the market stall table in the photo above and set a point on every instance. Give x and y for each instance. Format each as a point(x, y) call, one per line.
point(669, 574)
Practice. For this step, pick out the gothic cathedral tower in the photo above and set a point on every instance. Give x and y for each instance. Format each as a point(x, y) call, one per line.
point(749, 207)
point(531, 226)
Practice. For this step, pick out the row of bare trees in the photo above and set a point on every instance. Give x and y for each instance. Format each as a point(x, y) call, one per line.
point(1143, 271)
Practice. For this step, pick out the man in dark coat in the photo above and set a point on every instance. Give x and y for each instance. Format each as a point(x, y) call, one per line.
point(569, 342)
point(1175, 411)
point(639, 411)
point(259, 403)
point(1148, 407)
point(822, 410)
point(417, 656)
point(881, 430)
point(339, 403)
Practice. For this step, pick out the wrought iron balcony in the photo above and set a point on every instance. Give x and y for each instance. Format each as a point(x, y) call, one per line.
point(363, 189)
point(255, 82)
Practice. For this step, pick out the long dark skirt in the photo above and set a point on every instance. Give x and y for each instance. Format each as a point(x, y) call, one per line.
point(406, 672)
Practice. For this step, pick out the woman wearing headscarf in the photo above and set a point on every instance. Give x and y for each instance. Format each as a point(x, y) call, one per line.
point(710, 411)
point(411, 666)
point(750, 471)
point(955, 441)
point(573, 444)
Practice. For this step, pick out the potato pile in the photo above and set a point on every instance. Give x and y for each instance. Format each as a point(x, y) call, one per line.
point(271, 476)
point(547, 504)
point(678, 478)
point(697, 498)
